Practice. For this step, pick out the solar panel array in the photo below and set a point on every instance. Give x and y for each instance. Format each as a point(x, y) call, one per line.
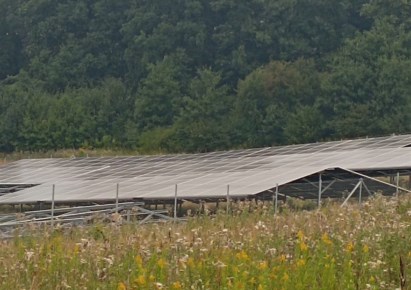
point(206, 175)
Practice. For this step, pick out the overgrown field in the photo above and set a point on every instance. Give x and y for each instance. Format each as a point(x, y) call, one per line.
point(367, 247)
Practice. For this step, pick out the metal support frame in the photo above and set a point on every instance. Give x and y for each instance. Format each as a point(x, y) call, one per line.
point(228, 199)
point(376, 180)
point(366, 188)
point(78, 215)
point(52, 205)
point(320, 181)
point(175, 203)
point(276, 199)
point(352, 192)
point(117, 192)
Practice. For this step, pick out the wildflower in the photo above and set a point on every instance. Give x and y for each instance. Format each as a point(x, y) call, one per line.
point(77, 248)
point(242, 255)
point(29, 255)
point(365, 249)
point(138, 260)
point(220, 264)
point(286, 277)
point(159, 285)
point(65, 285)
point(260, 287)
point(161, 263)
point(190, 262)
point(121, 286)
point(300, 235)
point(349, 247)
point(326, 239)
point(263, 265)
point(141, 280)
point(176, 285)
point(300, 262)
point(303, 246)
point(282, 258)
point(109, 260)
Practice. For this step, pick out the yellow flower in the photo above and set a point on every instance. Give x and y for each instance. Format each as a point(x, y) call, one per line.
point(260, 287)
point(365, 249)
point(176, 285)
point(161, 263)
point(349, 247)
point(190, 262)
point(326, 239)
point(139, 260)
point(286, 277)
point(300, 235)
point(300, 262)
point(282, 258)
point(263, 265)
point(121, 286)
point(76, 249)
point(242, 255)
point(141, 280)
point(303, 246)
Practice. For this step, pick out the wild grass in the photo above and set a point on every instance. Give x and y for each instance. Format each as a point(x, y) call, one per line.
point(333, 248)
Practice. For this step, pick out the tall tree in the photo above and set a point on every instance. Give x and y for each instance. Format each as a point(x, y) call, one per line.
point(368, 90)
point(269, 96)
point(203, 122)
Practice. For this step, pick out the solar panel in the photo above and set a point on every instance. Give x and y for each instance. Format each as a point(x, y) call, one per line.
point(205, 175)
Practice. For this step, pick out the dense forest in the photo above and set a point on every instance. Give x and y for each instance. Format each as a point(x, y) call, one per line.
point(201, 75)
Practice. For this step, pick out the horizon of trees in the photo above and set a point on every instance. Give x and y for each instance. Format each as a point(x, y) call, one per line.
point(196, 75)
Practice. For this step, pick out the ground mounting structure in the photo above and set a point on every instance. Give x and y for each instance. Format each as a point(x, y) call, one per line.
point(338, 169)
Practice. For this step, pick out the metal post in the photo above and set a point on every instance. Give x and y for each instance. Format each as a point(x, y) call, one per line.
point(52, 206)
point(175, 203)
point(360, 191)
point(276, 199)
point(351, 193)
point(228, 199)
point(398, 184)
point(320, 183)
point(117, 190)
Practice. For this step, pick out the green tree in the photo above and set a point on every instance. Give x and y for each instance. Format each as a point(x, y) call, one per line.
point(368, 90)
point(203, 122)
point(159, 94)
point(269, 96)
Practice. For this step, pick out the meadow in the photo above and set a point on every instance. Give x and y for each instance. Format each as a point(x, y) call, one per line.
point(355, 247)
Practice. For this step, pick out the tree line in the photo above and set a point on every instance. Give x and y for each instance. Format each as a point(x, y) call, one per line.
point(201, 75)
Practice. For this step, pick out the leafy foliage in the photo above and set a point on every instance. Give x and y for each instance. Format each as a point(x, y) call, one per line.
point(197, 75)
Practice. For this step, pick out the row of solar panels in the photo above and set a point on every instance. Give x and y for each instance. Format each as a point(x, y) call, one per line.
point(247, 172)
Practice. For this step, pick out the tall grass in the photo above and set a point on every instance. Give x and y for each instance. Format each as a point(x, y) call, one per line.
point(334, 248)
